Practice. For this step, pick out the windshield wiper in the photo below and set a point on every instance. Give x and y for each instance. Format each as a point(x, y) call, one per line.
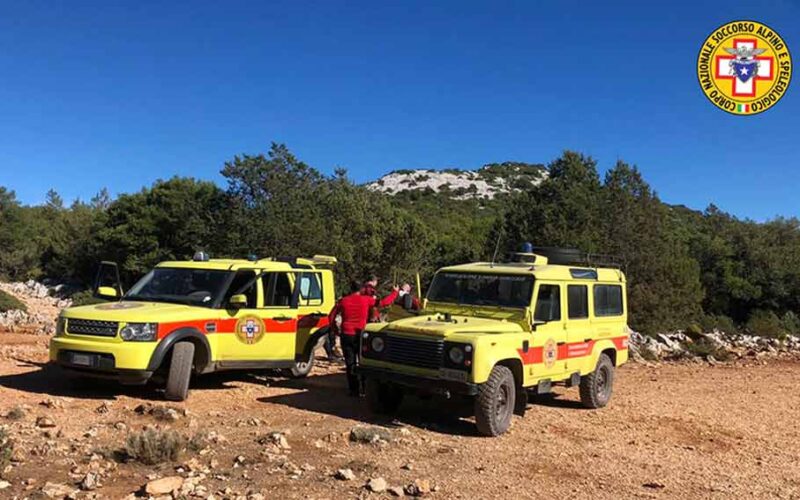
point(158, 298)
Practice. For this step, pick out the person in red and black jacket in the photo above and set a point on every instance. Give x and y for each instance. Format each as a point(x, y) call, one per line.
point(354, 310)
point(370, 289)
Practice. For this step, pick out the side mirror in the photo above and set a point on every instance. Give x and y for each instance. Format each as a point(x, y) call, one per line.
point(107, 293)
point(107, 274)
point(238, 301)
point(536, 323)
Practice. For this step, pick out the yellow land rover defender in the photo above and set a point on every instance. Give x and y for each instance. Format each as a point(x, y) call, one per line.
point(499, 331)
point(199, 316)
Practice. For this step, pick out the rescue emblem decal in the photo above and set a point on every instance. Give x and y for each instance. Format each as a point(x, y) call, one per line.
point(250, 329)
point(550, 353)
point(744, 67)
point(118, 305)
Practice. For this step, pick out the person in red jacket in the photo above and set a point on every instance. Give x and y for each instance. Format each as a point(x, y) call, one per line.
point(370, 289)
point(354, 311)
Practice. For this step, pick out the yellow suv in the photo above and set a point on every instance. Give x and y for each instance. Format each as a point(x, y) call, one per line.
point(200, 316)
point(498, 332)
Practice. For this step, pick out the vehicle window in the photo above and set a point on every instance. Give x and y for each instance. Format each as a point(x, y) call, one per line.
point(607, 300)
point(244, 279)
point(277, 290)
point(577, 301)
point(548, 303)
point(490, 290)
point(310, 289)
point(197, 287)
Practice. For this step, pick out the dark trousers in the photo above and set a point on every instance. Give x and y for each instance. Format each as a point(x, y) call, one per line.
point(330, 344)
point(350, 351)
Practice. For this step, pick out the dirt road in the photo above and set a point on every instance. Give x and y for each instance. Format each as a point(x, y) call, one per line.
point(688, 431)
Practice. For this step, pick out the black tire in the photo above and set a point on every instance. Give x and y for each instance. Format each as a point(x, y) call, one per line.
point(494, 404)
point(596, 387)
point(301, 369)
point(180, 372)
point(383, 398)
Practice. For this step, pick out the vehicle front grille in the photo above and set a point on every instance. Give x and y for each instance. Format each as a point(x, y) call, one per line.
point(92, 327)
point(414, 352)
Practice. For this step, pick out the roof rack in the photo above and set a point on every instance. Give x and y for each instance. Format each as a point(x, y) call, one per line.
point(568, 257)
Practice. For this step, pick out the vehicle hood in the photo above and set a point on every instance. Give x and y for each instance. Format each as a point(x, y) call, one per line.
point(135, 311)
point(436, 325)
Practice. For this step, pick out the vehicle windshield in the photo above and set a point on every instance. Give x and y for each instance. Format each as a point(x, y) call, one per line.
point(196, 287)
point(476, 289)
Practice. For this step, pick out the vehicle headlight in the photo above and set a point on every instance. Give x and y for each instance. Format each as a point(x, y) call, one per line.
point(377, 344)
point(456, 355)
point(139, 332)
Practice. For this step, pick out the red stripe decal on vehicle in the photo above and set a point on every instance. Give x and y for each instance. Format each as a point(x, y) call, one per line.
point(227, 326)
point(535, 355)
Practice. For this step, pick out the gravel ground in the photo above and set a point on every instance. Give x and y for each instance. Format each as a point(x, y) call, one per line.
point(672, 430)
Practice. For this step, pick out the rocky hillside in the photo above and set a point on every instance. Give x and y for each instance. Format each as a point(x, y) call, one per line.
point(487, 182)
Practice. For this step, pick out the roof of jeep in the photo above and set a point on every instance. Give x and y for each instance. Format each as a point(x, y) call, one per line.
point(236, 264)
point(542, 271)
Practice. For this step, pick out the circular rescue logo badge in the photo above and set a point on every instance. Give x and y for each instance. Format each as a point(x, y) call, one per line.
point(744, 67)
point(550, 353)
point(249, 329)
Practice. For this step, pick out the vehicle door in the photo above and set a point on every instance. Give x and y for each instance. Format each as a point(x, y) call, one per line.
point(580, 339)
point(258, 330)
point(280, 313)
point(550, 336)
point(310, 306)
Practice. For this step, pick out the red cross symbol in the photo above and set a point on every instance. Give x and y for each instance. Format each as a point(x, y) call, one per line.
point(722, 69)
point(250, 329)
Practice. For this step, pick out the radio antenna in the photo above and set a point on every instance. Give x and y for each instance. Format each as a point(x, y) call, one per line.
point(496, 249)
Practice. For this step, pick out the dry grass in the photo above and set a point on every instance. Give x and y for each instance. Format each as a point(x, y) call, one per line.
point(154, 446)
point(16, 413)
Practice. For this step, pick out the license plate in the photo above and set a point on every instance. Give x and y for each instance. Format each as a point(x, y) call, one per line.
point(82, 359)
point(456, 375)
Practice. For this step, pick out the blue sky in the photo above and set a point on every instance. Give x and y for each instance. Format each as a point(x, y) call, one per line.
point(119, 94)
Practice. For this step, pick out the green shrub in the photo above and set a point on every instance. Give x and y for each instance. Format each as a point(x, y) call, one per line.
point(711, 322)
point(694, 331)
point(8, 303)
point(791, 323)
point(766, 324)
point(154, 446)
point(647, 354)
point(6, 448)
point(704, 349)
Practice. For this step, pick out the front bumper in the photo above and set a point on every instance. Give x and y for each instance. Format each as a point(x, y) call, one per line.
point(422, 383)
point(124, 361)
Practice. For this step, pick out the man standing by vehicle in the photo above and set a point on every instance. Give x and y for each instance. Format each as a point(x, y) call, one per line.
point(370, 289)
point(354, 310)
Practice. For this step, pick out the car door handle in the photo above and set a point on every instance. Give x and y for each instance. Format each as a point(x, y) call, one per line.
point(560, 343)
point(283, 318)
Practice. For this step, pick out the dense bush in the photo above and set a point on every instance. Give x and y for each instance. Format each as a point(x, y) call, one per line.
point(704, 348)
point(683, 267)
point(154, 446)
point(711, 322)
point(8, 303)
point(766, 324)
